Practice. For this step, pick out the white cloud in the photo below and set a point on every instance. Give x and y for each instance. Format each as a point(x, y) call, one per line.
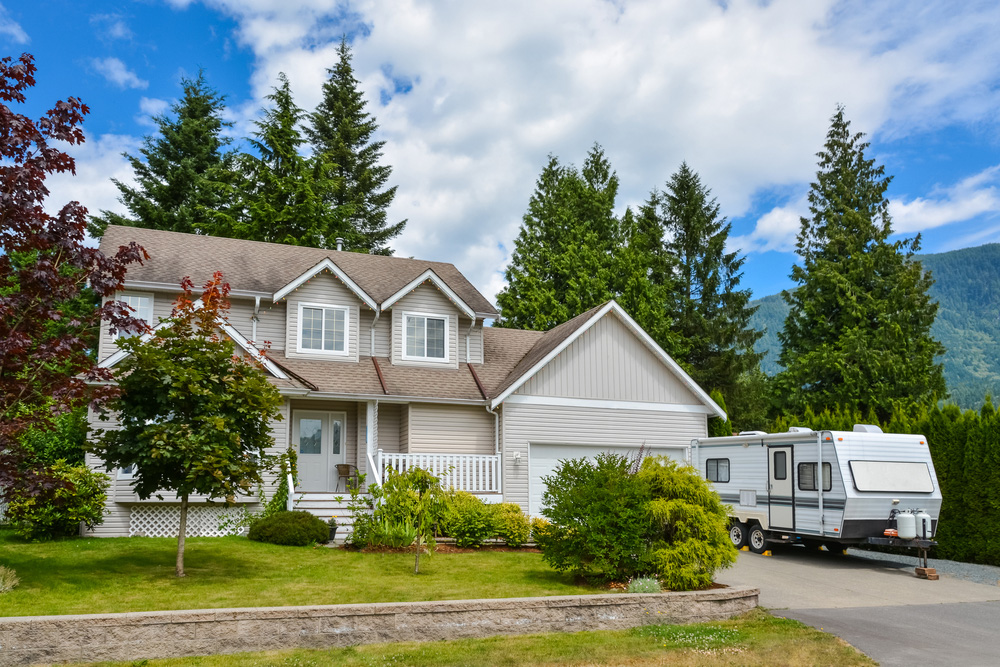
point(11, 28)
point(98, 160)
point(115, 71)
point(775, 230)
point(967, 199)
point(111, 27)
point(742, 90)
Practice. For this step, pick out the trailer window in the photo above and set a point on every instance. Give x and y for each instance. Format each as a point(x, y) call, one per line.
point(717, 470)
point(807, 477)
point(894, 476)
point(780, 465)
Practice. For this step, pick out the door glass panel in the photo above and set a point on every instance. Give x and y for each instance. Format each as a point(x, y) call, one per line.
point(780, 466)
point(337, 426)
point(310, 436)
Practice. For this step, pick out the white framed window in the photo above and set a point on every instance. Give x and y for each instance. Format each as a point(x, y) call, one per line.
point(425, 336)
point(128, 472)
point(323, 328)
point(142, 309)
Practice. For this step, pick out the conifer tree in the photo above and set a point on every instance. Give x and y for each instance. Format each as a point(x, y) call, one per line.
point(858, 332)
point(341, 130)
point(711, 314)
point(175, 189)
point(563, 261)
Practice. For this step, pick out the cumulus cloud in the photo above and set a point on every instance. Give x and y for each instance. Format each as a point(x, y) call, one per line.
point(115, 71)
point(11, 29)
point(775, 230)
point(974, 196)
point(98, 160)
point(471, 99)
point(111, 27)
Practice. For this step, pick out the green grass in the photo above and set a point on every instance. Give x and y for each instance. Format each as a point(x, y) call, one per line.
point(89, 576)
point(753, 639)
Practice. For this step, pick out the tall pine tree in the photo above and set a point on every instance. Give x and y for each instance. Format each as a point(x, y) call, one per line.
point(278, 195)
point(341, 131)
point(563, 261)
point(711, 314)
point(858, 332)
point(175, 188)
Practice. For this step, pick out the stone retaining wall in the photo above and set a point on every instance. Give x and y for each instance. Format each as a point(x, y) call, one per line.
point(162, 634)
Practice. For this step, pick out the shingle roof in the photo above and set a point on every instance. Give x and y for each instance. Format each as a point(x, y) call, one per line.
point(267, 267)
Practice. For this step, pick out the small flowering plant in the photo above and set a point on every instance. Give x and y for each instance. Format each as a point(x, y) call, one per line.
point(332, 522)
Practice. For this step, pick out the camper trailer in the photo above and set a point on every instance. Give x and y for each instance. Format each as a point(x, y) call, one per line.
point(831, 488)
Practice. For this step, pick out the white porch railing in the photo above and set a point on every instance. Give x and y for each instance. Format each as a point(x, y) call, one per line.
point(466, 472)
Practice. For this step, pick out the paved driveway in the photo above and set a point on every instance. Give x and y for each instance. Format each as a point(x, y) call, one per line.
point(884, 611)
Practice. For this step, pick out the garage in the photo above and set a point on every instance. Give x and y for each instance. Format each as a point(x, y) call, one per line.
point(543, 459)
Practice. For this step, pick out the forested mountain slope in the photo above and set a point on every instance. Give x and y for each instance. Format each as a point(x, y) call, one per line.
point(967, 286)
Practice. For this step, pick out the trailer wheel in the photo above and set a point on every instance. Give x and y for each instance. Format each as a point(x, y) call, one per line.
point(757, 539)
point(835, 547)
point(738, 534)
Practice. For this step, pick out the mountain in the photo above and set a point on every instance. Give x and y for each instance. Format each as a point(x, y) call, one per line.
point(967, 287)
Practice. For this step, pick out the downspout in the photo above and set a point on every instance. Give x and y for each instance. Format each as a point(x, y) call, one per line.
point(819, 482)
point(468, 355)
point(254, 319)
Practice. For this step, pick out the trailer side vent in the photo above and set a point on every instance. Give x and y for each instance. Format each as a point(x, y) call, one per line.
point(748, 497)
point(866, 428)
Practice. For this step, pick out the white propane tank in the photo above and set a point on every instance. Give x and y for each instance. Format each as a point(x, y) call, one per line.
point(923, 520)
point(906, 524)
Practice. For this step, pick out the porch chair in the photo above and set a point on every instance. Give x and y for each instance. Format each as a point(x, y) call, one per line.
point(346, 473)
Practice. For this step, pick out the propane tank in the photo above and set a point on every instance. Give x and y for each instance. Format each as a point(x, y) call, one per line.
point(906, 524)
point(923, 520)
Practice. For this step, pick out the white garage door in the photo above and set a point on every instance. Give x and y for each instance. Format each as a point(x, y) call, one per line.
point(543, 459)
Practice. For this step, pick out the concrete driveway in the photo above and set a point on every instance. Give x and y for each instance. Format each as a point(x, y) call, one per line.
point(885, 611)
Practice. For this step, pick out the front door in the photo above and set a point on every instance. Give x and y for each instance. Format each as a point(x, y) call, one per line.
point(781, 496)
point(318, 438)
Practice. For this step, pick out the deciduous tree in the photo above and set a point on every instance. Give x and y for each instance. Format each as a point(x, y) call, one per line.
point(195, 417)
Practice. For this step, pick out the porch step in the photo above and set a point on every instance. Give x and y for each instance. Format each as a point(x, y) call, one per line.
point(325, 505)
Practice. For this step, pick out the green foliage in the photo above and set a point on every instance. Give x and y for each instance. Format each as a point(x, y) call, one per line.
point(393, 534)
point(294, 529)
point(176, 177)
point(511, 524)
point(8, 579)
point(718, 427)
point(77, 498)
point(341, 131)
point(600, 519)
point(644, 585)
point(64, 441)
point(539, 528)
point(467, 519)
point(858, 328)
point(563, 260)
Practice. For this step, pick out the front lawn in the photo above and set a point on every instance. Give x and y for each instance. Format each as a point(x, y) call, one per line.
point(753, 639)
point(90, 576)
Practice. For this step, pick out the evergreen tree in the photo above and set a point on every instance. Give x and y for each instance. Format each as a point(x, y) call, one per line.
point(174, 189)
point(563, 261)
point(341, 130)
point(278, 195)
point(712, 315)
point(858, 331)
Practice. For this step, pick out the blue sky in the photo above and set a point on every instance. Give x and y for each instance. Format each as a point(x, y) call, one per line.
point(472, 97)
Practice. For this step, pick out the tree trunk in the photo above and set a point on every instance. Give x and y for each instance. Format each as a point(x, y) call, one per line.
point(416, 564)
point(180, 535)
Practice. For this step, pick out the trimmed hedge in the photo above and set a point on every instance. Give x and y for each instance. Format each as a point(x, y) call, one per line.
point(295, 529)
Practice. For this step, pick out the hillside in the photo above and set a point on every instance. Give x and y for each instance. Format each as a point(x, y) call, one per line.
point(967, 287)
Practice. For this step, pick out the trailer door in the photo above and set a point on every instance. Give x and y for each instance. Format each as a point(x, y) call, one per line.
point(780, 491)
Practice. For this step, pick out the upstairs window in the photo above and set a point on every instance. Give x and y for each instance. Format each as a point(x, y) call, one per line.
point(426, 337)
point(142, 309)
point(323, 329)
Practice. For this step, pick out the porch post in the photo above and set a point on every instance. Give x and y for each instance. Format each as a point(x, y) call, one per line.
point(371, 441)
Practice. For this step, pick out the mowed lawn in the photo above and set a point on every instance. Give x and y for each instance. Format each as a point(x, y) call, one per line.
point(89, 576)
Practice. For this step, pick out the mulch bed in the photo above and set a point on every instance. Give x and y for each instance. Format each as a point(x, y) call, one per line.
point(442, 549)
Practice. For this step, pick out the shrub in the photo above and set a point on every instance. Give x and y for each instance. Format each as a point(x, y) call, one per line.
point(539, 527)
point(394, 534)
point(77, 498)
point(644, 585)
point(296, 529)
point(511, 524)
point(467, 519)
point(8, 579)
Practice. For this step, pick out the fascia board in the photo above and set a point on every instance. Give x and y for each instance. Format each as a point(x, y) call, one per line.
point(326, 265)
point(440, 284)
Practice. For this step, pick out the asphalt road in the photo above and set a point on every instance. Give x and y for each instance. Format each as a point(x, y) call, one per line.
point(884, 611)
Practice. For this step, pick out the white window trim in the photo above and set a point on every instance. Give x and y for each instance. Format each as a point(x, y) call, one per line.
point(152, 302)
point(447, 337)
point(346, 352)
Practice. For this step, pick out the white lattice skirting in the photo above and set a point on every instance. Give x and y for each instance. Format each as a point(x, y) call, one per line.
point(202, 521)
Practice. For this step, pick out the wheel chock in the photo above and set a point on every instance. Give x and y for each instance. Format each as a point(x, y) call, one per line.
point(767, 553)
point(744, 548)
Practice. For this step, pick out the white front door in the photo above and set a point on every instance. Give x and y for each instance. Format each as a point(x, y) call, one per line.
point(318, 438)
point(781, 492)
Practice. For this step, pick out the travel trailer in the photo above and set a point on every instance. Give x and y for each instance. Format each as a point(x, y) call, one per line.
point(831, 488)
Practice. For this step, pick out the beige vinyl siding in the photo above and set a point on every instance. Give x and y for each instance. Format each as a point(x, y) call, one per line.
point(163, 303)
point(271, 326)
point(561, 425)
point(116, 516)
point(475, 340)
point(450, 429)
point(383, 334)
point(328, 290)
point(425, 299)
point(280, 429)
point(360, 458)
point(609, 362)
point(388, 427)
point(404, 428)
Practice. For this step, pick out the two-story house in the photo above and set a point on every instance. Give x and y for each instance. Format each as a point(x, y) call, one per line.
point(385, 361)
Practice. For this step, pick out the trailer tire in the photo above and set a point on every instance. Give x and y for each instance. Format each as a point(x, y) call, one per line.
point(835, 548)
point(757, 539)
point(738, 534)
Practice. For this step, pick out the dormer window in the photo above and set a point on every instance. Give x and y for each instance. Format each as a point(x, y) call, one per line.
point(323, 328)
point(142, 309)
point(426, 337)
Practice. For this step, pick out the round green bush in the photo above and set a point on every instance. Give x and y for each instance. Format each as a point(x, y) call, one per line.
point(512, 526)
point(468, 519)
point(78, 497)
point(295, 529)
